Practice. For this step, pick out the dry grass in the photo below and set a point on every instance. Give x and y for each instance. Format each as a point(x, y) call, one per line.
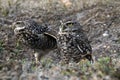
point(10, 6)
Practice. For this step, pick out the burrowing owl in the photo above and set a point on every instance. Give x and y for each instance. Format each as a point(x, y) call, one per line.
point(38, 37)
point(73, 43)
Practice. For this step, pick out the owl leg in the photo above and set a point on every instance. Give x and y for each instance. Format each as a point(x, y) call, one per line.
point(36, 55)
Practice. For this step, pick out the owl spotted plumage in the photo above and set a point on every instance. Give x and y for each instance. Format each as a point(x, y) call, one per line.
point(38, 37)
point(73, 44)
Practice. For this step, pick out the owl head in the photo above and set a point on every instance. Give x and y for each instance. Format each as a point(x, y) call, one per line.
point(28, 26)
point(70, 26)
point(19, 27)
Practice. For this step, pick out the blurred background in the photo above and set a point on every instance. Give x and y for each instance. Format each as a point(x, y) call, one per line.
point(99, 18)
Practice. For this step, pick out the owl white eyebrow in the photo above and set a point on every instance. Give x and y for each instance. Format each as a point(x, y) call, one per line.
point(19, 28)
point(62, 33)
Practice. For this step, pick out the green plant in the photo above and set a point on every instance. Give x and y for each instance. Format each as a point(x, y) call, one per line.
point(105, 65)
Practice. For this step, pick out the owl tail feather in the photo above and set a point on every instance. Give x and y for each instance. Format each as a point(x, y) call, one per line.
point(89, 57)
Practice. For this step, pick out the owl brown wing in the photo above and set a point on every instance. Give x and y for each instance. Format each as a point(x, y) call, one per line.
point(51, 33)
point(83, 44)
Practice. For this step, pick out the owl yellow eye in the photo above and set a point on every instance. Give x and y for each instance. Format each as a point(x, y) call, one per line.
point(69, 24)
